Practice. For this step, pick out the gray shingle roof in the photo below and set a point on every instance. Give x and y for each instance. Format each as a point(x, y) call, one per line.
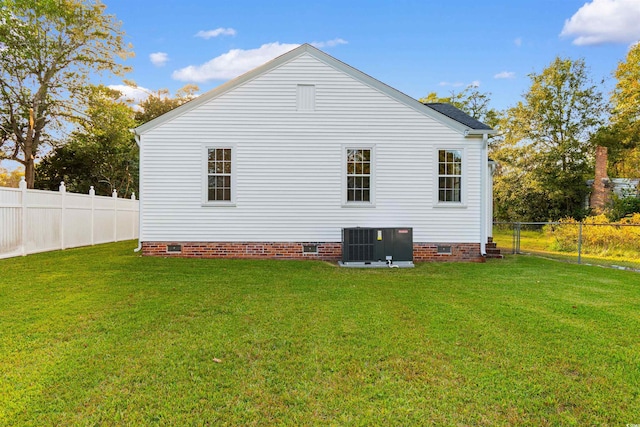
point(457, 115)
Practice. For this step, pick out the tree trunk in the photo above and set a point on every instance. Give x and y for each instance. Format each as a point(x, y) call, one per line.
point(29, 172)
point(30, 145)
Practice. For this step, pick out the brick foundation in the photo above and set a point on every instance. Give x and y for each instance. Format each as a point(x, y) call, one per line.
point(256, 250)
point(328, 251)
point(459, 252)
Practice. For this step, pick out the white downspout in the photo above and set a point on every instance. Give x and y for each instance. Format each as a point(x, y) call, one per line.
point(140, 193)
point(484, 158)
point(492, 169)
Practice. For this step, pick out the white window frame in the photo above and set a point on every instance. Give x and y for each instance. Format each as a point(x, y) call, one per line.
point(372, 176)
point(205, 175)
point(463, 179)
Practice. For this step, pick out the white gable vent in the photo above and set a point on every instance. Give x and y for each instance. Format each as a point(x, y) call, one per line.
point(306, 100)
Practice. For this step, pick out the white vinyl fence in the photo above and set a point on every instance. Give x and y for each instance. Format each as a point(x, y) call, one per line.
point(38, 221)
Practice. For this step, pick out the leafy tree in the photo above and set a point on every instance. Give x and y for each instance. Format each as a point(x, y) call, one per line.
point(10, 179)
point(621, 207)
point(159, 102)
point(471, 101)
point(546, 153)
point(621, 139)
point(101, 152)
point(622, 136)
point(48, 49)
point(626, 96)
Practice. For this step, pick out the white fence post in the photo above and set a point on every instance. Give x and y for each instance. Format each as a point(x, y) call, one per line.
point(115, 214)
point(23, 202)
point(63, 191)
point(92, 193)
point(134, 216)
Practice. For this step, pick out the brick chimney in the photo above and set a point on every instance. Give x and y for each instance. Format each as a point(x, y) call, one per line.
point(601, 189)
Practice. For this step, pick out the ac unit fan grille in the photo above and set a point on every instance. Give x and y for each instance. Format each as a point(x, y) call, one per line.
point(360, 244)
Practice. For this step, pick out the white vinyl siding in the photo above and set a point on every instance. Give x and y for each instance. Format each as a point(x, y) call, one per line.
point(289, 167)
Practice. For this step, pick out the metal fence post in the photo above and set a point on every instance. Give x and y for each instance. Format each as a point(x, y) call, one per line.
point(580, 243)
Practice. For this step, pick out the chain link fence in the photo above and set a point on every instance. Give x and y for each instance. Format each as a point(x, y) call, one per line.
point(615, 245)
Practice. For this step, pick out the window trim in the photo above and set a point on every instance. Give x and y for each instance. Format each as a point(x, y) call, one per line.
point(463, 179)
point(372, 176)
point(205, 175)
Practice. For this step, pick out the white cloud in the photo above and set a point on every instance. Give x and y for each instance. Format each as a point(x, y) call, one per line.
point(518, 41)
point(232, 64)
point(329, 43)
point(159, 58)
point(133, 94)
point(604, 21)
point(475, 83)
point(505, 75)
point(215, 33)
point(454, 84)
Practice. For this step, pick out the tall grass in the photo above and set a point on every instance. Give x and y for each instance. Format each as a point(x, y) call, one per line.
point(598, 237)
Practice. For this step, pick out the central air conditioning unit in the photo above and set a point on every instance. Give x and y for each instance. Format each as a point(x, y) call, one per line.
point(377, 247)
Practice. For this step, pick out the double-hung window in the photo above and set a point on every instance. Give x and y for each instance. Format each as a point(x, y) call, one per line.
point(219, 187)
point(449, 176)
point(359, 175)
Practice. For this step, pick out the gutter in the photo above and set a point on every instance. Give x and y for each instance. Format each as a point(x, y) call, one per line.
point(483, 132)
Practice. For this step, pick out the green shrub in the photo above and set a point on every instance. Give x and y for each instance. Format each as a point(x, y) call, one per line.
point(622, 207)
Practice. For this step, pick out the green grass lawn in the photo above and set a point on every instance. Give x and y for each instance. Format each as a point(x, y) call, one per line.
point(102, 336)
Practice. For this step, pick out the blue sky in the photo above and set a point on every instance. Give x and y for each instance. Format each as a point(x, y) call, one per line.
point(415, 46)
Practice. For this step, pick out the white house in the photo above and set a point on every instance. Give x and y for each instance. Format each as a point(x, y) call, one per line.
point(277, 162)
